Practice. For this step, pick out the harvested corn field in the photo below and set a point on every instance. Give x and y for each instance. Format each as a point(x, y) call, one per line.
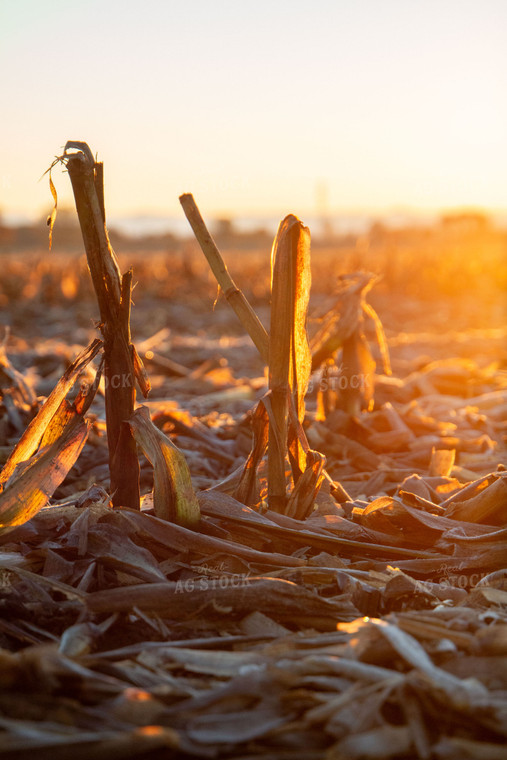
point(294, 546)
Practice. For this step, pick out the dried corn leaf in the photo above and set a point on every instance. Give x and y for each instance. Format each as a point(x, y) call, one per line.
point(62, 417)
point(380, 336)
point(359, 373)
point(50, 741)
point(234, 727)
point(111, 547)
point(181, 539)
point(488, 506)
point(380, 743)
point(390, 515)
point(11, 379)
point(77, 640)
point(459, 692)
point(343, 318)
point(279, 599)
point(37, 428)
point(442, 462)
point(26, 494)
point(303, 534)
point(460, 748)
point(174, 498)
point(52, 217)
point(140, 372)
point(216, 663)
point(302, 498)
point(247, 489)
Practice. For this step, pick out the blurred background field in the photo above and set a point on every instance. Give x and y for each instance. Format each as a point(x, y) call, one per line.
point(444, 277)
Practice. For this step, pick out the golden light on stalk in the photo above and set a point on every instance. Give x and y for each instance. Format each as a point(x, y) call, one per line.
point(122, 365)
point(278, 420)
point(290, 359)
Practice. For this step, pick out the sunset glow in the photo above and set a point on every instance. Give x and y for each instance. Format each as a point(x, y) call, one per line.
point(259, 107)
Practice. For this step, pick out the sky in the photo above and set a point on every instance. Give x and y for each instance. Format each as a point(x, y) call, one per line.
point(264, 107)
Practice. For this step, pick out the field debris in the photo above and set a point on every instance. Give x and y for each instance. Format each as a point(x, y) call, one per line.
point(369, 621)
point(375, 627)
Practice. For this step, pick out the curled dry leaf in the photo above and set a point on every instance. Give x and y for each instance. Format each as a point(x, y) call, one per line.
point(13, 380)
point(32, 436)
point(26, 494)
point(174, 498)
point(359, 373)
point(246, 490)
point(52, 217)
point(488, 506)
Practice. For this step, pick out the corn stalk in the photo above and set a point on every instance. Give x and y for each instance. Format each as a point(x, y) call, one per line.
point(121, 362)
point(289, 354)
point(233, 294)
point(278, 418)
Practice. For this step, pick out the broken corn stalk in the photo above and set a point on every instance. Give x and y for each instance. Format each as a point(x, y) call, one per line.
point(289, 354)
point(343, 328)
point(233, 294)
point(286, 351)
point(121, 363)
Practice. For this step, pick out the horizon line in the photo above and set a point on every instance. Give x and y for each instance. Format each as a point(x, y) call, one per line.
point(217, 214)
